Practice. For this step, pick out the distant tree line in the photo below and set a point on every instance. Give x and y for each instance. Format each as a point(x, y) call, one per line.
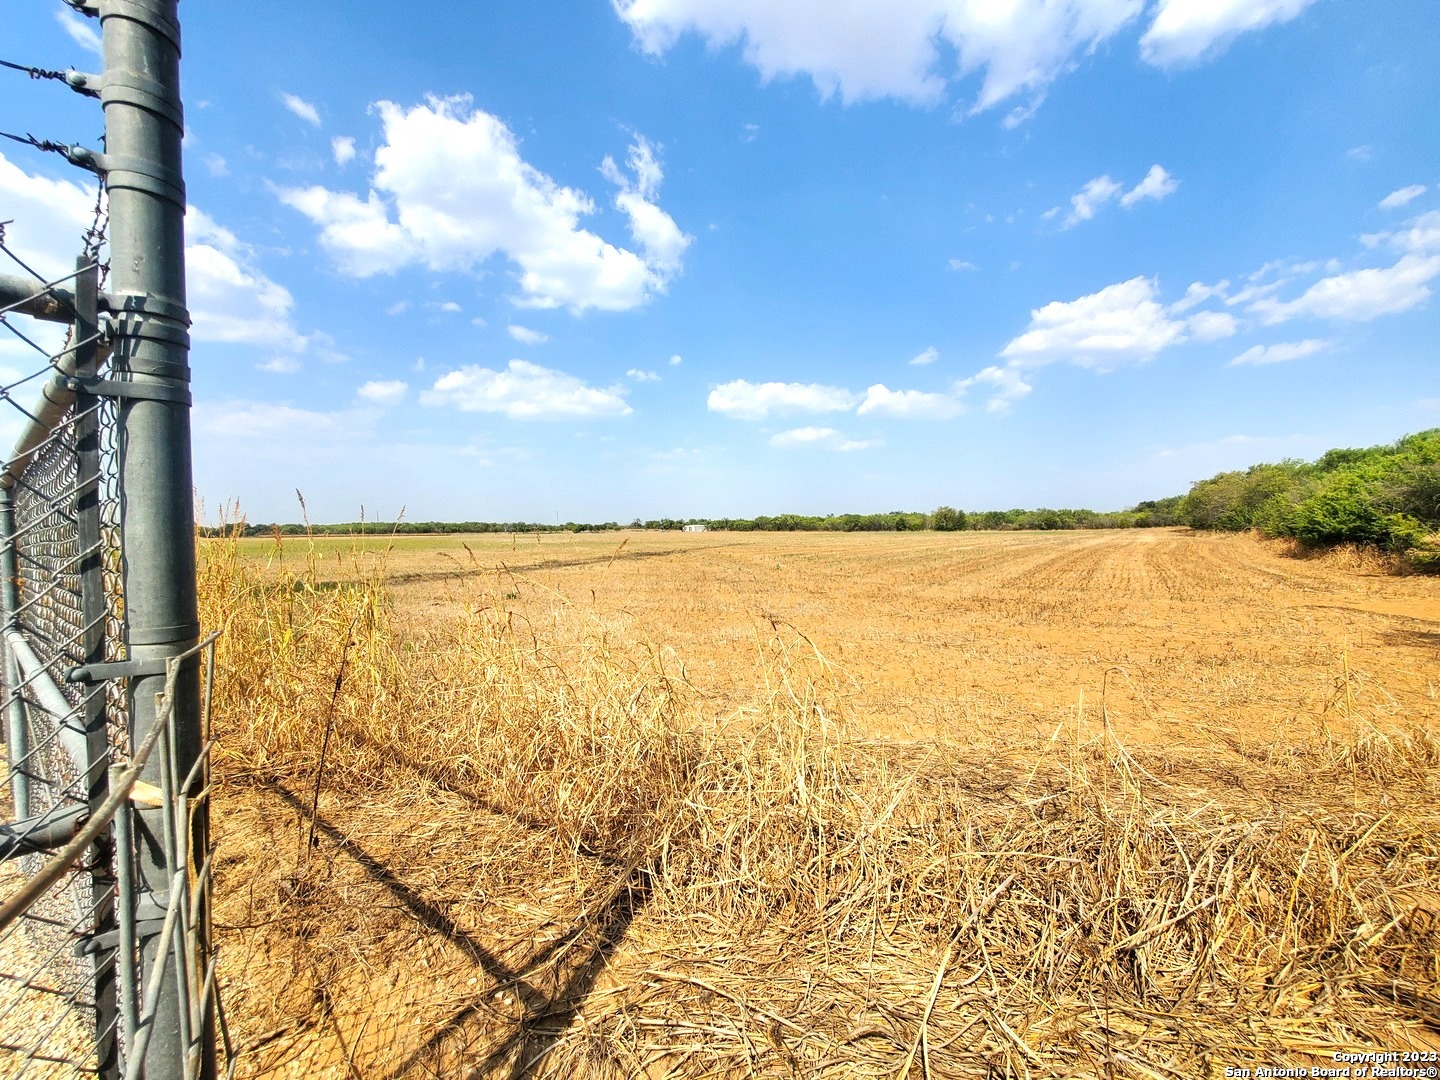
point(401, 528)
point(942, 519)
point(945, 519)
point(894, 521)
point(1384, 496)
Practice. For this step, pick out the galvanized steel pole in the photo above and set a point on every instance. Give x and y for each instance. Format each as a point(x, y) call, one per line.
point(140, 91)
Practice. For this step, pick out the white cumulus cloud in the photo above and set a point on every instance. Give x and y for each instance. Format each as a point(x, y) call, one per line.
point(1157, 185)
point(47, 218)
point(1087, 202)
point(1089, 199)
point(280, 365)
point(929, 356)
point(1007, 386)
point(343, 147)
point(358, 233)
point(676, 360)
point(301, 108)
point(1280, 352)
point(80, 30)
point(745, 400)
point(1402, 196)
point(1211, 325)
point(803, 436)
point(650, 227)
point(880, 400)
point(822, 438)
point(230, 298)
point(876, 48)
point(640, 375)
point(919, 50)
point(526, 336)
point(525, 391)
point(1197, 294)
point(1420, 236)
point(1122, 323)
point(1186, 31)
point(450, 190)
point(1360, 295)
point(383, 391)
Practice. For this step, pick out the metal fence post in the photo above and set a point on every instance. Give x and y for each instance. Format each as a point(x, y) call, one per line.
point(92, 651)
point(140, 93)
point(18, 734)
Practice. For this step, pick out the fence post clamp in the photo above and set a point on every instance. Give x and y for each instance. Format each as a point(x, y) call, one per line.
point(135, 390)
point(115, 669)
point(86, 944)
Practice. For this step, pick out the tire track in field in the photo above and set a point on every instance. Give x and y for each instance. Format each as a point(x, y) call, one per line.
point(1109, 567)
point(1245, 564)
point(1029, 564)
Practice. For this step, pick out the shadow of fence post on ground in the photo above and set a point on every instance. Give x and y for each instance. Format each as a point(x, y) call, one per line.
point(570, 962)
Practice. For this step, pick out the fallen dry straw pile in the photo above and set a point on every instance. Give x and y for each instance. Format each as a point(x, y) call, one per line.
point(536, 854)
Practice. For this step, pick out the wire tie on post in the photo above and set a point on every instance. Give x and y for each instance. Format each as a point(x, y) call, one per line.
point(78, 81)
point(76, 155)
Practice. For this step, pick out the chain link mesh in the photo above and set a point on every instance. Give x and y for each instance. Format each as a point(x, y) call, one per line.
point(48, 1014)
point(117, 706)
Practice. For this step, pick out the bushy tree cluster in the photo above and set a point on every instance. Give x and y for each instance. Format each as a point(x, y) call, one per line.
point(1384, 496)
point(894, 521)
point(1145, 515)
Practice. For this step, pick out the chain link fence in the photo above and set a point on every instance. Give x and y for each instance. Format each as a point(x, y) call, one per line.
point(56, 1004)
point(75, 998)
point(105, 959)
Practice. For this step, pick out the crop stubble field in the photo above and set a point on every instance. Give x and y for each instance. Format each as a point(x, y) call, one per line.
point(958, 634)
point(1141, 803)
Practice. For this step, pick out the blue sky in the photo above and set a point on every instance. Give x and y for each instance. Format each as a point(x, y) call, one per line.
point(600, 260)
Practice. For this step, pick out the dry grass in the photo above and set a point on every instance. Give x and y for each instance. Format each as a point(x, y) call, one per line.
point(539, 850)
point(1351, 558)
point(957, 635)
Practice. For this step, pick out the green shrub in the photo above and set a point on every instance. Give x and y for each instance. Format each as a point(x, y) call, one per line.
point(947, 519)
point(1384, 496)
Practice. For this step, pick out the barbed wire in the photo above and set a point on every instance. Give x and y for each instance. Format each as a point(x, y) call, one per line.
point(35, 72)
point(93, 240)
point(49, 146)
point(95, 236)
